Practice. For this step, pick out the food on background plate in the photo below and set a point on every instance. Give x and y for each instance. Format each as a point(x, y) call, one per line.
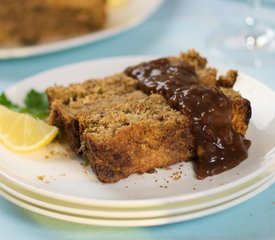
point(30, 22)
point(153, 115)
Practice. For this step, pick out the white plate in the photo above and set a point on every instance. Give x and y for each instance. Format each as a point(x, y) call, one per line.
point(119, 20)
point(72, 185)
point(137, 213)
point(134, 222)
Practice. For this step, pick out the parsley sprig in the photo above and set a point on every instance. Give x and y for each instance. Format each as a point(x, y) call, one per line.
point(35, 104)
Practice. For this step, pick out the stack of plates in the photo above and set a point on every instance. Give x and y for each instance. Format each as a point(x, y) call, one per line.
point(54, 182)
point(129, 212)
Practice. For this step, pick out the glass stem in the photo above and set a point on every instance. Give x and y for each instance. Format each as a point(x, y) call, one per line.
point(252, 19)
point(252, 22)
point(257, 35)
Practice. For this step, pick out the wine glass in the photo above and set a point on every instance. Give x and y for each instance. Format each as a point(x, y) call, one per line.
point(252, 44)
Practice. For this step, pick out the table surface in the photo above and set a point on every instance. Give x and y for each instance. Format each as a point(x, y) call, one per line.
point(177, 26)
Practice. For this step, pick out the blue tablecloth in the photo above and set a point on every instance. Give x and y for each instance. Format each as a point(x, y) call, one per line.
point(177, 26)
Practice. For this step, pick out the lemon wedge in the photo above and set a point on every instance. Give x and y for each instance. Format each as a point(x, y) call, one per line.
point(21, 132)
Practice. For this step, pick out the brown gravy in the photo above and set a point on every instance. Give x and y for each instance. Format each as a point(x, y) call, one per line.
point(218, 147)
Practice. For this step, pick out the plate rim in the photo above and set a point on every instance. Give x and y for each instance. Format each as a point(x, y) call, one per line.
point(122, 213)
point(142, 222)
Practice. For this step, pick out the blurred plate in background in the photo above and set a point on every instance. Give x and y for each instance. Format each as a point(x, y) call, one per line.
point(120, 19)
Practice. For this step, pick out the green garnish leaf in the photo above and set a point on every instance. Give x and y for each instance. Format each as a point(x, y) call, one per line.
point(36, 104)
point(86, 163)
point(9, 104)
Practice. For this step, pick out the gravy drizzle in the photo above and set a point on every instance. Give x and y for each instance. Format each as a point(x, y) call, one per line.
point(218, 147)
